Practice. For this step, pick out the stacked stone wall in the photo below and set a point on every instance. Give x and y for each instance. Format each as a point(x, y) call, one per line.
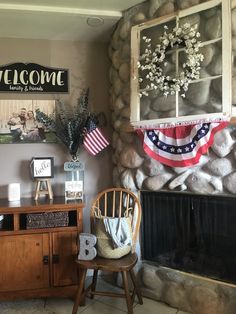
point(216, 172)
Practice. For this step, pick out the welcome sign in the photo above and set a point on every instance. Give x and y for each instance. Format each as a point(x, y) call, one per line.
point(32, 78)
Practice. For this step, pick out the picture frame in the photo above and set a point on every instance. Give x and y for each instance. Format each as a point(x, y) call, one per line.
point(19, 123)
point(74, 190)
point(42, 167)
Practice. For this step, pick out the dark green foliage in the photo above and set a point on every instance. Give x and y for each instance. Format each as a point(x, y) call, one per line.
point(47, 121)
point(69, 126)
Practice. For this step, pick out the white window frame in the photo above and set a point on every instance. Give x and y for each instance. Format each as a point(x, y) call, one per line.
point(226, 67)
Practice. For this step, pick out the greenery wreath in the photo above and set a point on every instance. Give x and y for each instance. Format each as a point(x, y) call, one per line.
point(154, 58)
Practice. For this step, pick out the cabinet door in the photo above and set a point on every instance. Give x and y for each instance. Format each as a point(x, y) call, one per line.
point(24, 262)
point(64, 250)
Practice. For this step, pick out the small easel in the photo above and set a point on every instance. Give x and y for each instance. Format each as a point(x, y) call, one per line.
point(43, 186)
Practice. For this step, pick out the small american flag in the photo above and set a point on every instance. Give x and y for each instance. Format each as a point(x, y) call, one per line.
point(94, 141)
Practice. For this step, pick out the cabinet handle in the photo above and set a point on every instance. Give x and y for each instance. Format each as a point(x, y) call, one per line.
point(46, 260)
point(55, 259)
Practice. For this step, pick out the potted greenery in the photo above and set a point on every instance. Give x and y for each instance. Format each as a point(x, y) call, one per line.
point(69, 124)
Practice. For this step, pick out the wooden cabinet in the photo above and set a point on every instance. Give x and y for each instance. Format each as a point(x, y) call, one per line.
point(38, 262)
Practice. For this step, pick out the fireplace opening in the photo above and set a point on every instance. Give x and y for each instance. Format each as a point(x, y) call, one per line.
point(189, 232)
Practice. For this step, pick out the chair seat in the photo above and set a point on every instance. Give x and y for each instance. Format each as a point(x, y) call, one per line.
point(99, 263)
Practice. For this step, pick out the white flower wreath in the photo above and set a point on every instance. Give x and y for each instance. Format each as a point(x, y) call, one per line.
point(151, 61)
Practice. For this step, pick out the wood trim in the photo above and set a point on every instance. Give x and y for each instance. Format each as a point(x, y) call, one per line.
point(45, 230)
point(114, 204)
point(16, 222)
point(105, 205)
point(120, 205)
point(226, 57)
point(43, 293)
point(29, 205)
point(59, 9)
point(134, 84)
point(199, 7)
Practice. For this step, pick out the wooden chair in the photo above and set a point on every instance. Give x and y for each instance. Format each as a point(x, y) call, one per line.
point(112, 203)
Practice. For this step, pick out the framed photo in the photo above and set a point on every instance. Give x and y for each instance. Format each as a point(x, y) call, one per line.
point(42, 167)
point(74, 190)
point(19, 123)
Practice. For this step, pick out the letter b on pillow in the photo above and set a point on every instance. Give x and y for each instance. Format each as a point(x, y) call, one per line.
point(87, 250)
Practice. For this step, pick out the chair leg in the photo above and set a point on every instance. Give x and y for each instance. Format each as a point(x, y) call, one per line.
point(94, 282)
point(79, 291)
point(136, 286)
point(127, 293)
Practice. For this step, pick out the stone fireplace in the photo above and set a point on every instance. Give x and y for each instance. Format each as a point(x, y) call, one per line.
point(186, 238)
point(213, 177)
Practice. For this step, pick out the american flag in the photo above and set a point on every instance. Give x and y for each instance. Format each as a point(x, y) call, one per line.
point(180, 146)
point(94, 141)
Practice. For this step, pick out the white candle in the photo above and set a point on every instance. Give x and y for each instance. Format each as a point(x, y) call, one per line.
point(13, 192)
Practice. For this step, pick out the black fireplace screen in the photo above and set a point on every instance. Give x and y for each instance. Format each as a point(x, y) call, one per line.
point(193, 233)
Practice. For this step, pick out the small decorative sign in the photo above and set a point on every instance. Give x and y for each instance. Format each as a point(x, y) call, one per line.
point(42, 167)
point(74, 190)
point(73, 166)
point(74, 184)
point(32, 78)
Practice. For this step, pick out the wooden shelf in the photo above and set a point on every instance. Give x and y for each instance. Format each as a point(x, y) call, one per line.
point(30, 205)
point(39, 230)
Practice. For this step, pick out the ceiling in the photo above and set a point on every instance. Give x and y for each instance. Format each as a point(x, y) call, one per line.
point(61, 19)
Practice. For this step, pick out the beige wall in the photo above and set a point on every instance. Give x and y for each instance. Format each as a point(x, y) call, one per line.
point(88, 67)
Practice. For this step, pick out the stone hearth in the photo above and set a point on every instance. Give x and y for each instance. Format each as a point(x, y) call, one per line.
point(187, 292)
